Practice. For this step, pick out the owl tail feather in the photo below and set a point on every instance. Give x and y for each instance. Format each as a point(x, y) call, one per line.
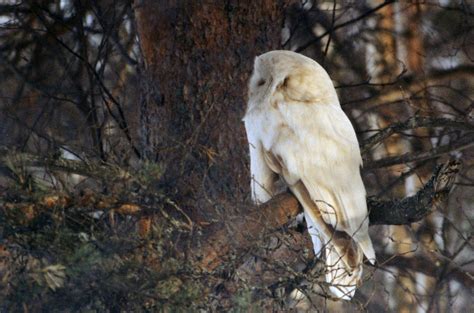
point(344, 256)
point(365, 244)
point(343, 282)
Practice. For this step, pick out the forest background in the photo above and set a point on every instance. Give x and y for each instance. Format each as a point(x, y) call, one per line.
point(124, 175)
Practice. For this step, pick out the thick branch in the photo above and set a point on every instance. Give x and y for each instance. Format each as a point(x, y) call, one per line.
point(246, 231)
point(242, 232)
point(414, 208)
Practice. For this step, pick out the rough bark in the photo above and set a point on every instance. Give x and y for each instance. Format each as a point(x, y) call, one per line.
point(198, 56)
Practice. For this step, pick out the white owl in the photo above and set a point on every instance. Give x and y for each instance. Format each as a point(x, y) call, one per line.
point(297, 130)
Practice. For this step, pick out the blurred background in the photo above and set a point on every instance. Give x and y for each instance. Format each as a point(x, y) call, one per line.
point(121, 137)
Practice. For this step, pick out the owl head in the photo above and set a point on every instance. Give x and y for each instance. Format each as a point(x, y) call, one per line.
point(290, 77)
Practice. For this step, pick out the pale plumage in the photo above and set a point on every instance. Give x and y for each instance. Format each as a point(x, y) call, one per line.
point(297, 129)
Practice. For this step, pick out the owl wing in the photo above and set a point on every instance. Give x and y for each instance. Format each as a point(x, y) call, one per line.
point(321, 149)
point(318, 149)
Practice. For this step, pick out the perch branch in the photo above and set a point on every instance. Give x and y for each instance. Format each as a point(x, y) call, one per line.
point(414, 208)
point(219, 242)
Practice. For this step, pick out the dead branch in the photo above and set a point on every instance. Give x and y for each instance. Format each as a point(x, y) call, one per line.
point(414, 208)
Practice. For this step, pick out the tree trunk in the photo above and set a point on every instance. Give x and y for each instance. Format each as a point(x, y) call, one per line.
point(198, 57)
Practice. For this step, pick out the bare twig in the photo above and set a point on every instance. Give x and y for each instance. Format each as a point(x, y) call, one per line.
point(461, 144)
point(412, 123)
point(426, 266)
point(354, 20)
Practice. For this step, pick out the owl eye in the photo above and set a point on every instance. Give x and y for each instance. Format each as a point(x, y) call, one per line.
point(261, 82)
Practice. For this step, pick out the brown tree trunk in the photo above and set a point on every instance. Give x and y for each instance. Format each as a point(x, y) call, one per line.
point(199, 55)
